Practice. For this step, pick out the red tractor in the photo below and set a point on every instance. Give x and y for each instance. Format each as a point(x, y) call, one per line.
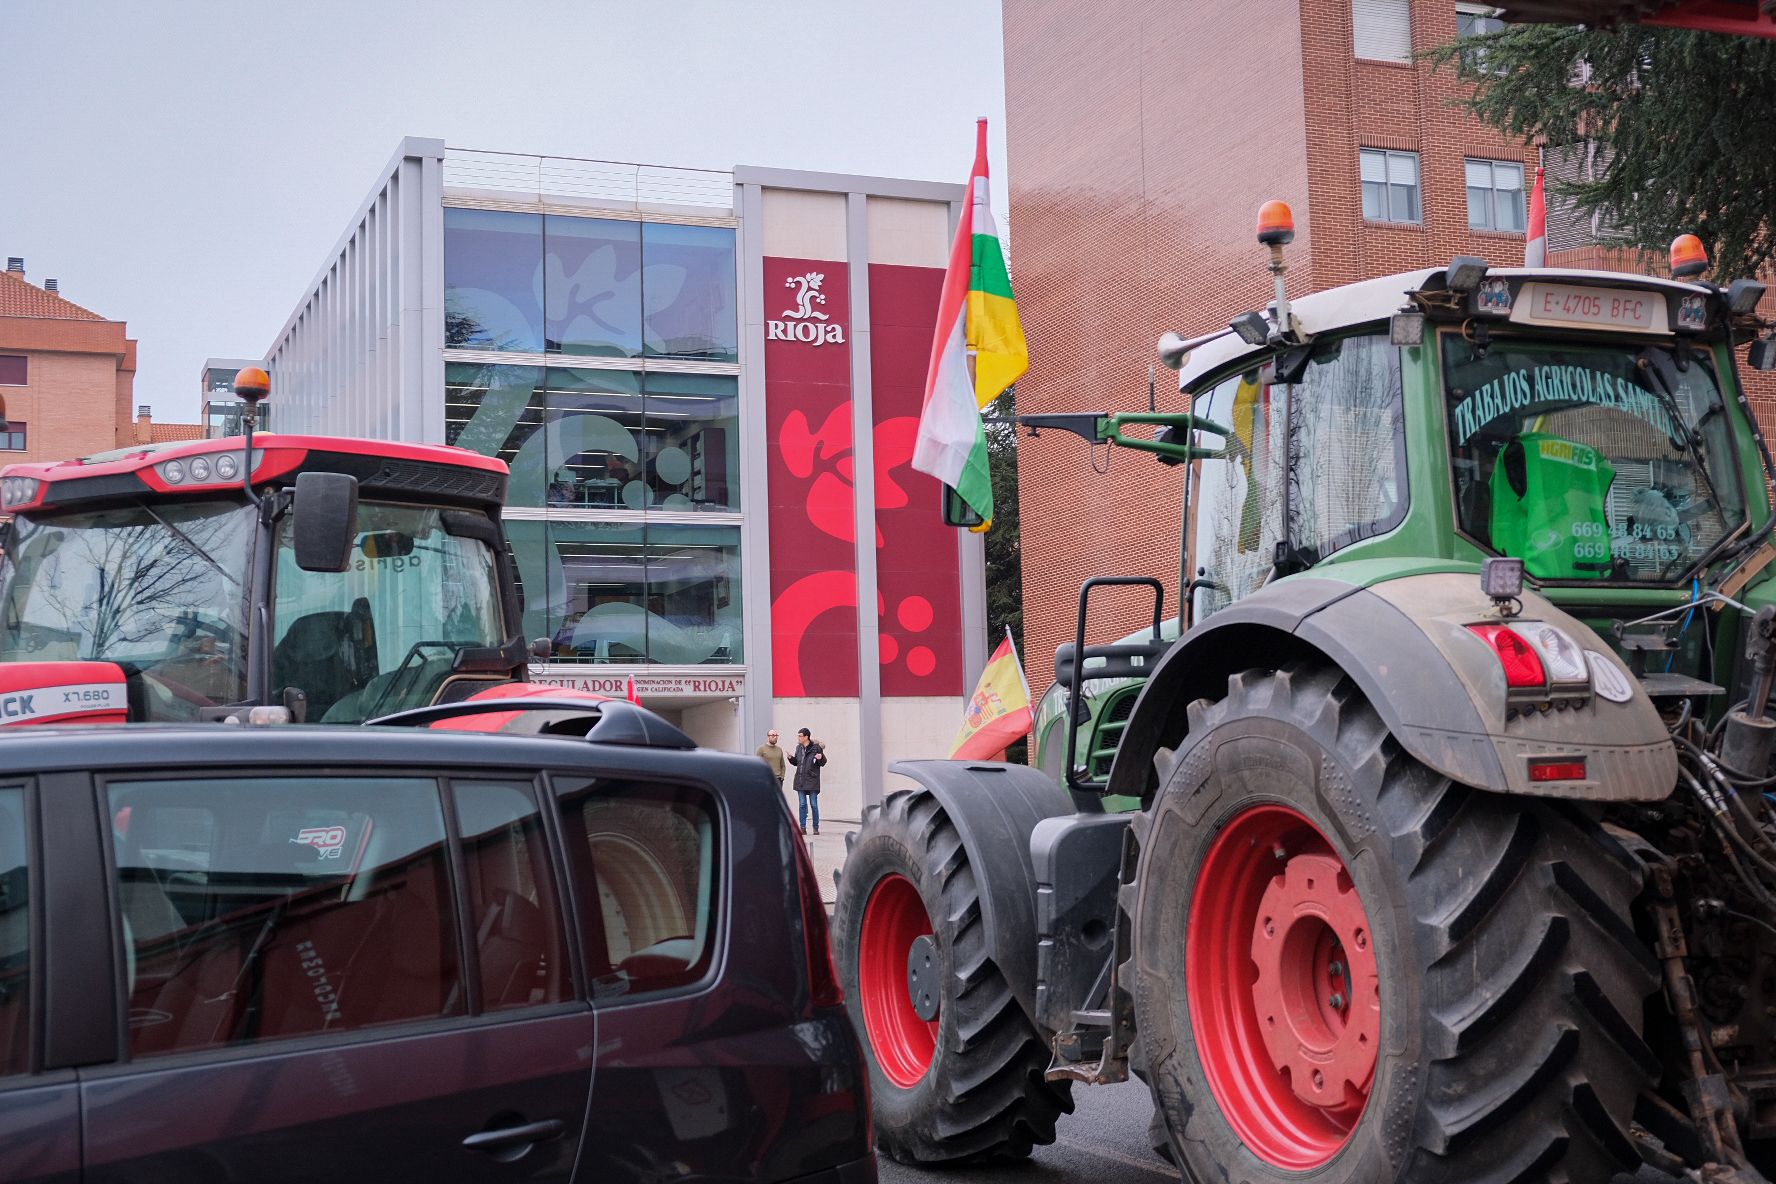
point(251, 579)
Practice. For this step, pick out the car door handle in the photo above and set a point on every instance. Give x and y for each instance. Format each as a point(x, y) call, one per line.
point(511, 1136)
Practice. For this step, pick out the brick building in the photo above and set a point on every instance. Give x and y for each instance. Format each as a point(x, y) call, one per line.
point(67, 376)
point(1132, 208)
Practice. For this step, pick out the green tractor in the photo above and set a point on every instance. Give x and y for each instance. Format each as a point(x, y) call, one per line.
point(1434, 840)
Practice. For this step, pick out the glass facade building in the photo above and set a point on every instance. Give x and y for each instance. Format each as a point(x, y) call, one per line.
point(605, 372)
point(701, 498)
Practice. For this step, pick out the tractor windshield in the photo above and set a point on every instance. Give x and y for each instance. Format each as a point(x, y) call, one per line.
point(158, 590)
point(1608, 462)
point(382, 635)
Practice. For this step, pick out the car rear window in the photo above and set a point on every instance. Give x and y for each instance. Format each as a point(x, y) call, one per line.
point(264, 908)
point(647, 856)
point(15, 937)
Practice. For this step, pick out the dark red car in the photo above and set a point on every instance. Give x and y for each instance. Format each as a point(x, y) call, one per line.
point(380, 954)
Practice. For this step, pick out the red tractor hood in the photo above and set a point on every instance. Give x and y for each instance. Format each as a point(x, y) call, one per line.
point(62, 693)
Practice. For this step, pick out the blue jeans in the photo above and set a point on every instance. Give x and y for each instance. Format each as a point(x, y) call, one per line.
point(808, 801)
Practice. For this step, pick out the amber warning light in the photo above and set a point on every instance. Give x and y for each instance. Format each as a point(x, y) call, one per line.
point(1688, 259)
point(252, 384)
point(1276, 224)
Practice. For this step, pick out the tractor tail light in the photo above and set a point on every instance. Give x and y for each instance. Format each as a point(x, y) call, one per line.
point(1559, 770)
point(1523, 667)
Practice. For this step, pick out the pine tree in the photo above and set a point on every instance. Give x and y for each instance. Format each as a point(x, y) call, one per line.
point(1686, 121)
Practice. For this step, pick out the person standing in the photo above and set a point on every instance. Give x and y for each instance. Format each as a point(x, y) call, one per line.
point(772, 754)
point(808, 758)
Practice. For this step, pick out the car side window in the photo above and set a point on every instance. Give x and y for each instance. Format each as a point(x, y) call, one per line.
point(515, 917)
point(15, 938)
point(646, 875)
point(261, 908)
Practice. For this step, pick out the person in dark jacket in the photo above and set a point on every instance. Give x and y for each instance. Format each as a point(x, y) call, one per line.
point(808, 758)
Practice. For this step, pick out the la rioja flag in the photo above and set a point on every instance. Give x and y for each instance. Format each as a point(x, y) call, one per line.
point(976, 317)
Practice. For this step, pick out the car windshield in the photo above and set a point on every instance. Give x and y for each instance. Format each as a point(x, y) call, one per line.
point(1606, 461)
point(382, 635)
point(158, 590)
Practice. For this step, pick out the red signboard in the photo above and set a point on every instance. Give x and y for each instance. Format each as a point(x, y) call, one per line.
point(812, 475)
point(810, 472)
point(917, 571)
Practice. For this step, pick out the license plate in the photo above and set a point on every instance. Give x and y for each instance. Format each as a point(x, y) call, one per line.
point(1592, 308)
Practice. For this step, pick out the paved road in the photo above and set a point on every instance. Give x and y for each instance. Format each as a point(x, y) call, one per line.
point(1103, 1140)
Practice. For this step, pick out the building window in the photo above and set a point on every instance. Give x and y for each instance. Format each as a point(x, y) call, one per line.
point(629, 592)
point(592, 282)
point(13, 438)
point(1495, 195)
point(601, 439)
point(687, 287)
point(1382, 30)
point(14, 369)
point(493, 265)
point(1472, 20)
point(1390, 186)
point(600, 287)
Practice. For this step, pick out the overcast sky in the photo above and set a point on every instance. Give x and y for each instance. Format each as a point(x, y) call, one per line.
point(185, 166)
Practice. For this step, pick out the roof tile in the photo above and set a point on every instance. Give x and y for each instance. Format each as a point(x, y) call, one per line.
point(19, 297)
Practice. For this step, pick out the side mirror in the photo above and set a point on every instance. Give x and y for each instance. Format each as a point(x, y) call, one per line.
point(542, 649)
point(326, 520)
point(957, 512)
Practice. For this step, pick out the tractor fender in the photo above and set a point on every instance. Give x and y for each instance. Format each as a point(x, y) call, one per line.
point(995, 807)
point(1436, 685)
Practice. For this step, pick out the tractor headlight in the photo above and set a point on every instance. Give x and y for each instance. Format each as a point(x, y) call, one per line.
point(173, 472)
point(18, 491)
point(200, 468)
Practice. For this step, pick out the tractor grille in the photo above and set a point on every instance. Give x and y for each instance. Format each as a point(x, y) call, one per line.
point(1107, 736)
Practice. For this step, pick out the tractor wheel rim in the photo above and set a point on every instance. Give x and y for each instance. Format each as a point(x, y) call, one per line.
point(893, 919)
point(1283, 988)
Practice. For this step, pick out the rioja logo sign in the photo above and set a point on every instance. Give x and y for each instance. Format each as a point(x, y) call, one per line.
point(805, 322)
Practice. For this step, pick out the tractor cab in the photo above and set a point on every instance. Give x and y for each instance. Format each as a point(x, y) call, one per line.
point(1590, 425)
point(334, 579)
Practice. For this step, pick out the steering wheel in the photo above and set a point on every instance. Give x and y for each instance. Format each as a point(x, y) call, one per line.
point(401, 669)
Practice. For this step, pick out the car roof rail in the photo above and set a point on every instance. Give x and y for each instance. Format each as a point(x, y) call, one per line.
point(619, 721)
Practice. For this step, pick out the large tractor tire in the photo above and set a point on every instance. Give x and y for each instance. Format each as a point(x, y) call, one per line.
point(956, 1068)
point(1348, 968)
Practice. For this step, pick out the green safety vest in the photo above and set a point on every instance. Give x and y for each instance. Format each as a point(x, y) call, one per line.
point(1548, 507)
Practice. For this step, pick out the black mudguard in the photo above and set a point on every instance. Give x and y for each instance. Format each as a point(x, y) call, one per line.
point(995, 807)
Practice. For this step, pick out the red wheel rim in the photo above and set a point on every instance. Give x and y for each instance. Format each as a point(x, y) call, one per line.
point(1284, 994)
point(893, 919)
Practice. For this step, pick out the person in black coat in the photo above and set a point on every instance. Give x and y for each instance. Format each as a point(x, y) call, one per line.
point(809, 758)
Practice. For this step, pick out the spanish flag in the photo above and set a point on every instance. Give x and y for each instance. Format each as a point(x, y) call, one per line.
point(999, 711)
point(976, 314)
